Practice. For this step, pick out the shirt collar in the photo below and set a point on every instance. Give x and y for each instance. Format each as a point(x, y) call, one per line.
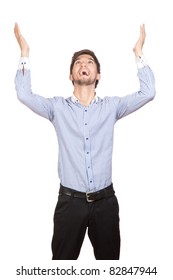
point(75, 100)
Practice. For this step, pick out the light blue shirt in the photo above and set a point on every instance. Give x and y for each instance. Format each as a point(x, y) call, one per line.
point(85, 134)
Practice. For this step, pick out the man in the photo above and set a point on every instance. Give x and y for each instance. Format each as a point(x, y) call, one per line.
point(84, 124)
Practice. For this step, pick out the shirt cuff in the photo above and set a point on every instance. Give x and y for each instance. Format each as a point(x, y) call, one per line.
point(141, 61)
point(24, 63)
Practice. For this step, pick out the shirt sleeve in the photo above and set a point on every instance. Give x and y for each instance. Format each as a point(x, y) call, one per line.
point(38, 104)
point(132, 102)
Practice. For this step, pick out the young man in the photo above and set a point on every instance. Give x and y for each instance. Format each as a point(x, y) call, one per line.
point(84, 124)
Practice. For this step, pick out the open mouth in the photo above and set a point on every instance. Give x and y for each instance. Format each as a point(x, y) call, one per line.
point(84, 72)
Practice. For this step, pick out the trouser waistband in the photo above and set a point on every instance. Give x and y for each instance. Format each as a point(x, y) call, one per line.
point(89, 196)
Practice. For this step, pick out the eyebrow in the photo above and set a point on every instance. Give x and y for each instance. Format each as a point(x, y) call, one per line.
point(89, 58)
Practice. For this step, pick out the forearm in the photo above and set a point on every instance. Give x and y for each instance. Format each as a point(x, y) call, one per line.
point(146, 92)
point(147, 82)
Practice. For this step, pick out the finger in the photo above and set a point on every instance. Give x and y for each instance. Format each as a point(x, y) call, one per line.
point(142, 30)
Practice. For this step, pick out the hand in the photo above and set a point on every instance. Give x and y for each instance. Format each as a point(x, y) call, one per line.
point(21, 41)
point(139, 44)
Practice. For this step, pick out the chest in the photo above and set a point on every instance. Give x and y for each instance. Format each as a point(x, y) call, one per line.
point(80, 120)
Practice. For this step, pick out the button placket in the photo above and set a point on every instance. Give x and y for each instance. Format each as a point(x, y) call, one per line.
point(88, 149)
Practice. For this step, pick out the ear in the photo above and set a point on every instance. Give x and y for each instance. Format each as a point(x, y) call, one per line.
point(70, 77)
point(98, 77)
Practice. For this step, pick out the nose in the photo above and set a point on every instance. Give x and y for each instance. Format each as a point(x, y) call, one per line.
point(83, 63)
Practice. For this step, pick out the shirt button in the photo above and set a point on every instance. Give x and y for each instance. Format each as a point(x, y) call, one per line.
point(85, 123)
point(91, 181)
point(85, 110)
point(86, 138)
point(87, 153)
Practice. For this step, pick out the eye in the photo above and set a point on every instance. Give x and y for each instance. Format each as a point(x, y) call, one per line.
point(77, 62)
point(91, 61)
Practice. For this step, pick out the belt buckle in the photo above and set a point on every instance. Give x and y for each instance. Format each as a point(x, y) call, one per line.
point(87, 197)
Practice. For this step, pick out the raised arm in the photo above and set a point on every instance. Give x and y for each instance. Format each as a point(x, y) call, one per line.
point(132, 102)
point(39, 104)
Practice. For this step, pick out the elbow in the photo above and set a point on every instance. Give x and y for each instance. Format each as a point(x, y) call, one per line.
point(152, 94)
point(149, 93)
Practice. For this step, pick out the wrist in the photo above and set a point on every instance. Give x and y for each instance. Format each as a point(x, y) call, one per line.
point(138, 53)
point(25, 53)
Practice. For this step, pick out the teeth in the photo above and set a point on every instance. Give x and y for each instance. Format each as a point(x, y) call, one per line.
point(83, 72)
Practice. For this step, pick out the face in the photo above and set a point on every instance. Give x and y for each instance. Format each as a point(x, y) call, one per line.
point(84, 71)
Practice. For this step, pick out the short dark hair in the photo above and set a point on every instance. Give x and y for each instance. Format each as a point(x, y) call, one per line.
point(89, 52)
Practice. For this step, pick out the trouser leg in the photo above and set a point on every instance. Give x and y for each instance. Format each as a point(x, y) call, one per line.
point(104, 230)
point(70, 223)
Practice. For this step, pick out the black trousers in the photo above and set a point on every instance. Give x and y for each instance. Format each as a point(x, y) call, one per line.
point(73, 216)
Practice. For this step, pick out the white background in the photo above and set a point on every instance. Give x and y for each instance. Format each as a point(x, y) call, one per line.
point(142, 159)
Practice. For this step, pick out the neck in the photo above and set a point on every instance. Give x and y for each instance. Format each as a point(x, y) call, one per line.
point(84, 94)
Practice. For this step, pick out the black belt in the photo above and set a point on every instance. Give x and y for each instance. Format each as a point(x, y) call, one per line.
point(89, 196)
